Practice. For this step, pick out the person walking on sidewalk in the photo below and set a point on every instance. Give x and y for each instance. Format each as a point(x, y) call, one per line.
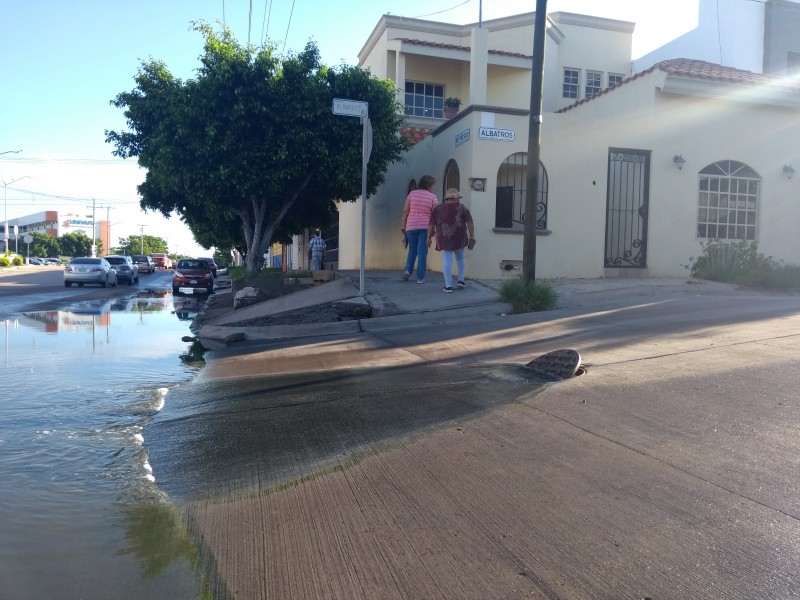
point(317, 247)
point(451, 224)
point(416, 218)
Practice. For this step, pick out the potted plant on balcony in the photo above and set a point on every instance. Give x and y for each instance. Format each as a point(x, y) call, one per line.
point(451, 106)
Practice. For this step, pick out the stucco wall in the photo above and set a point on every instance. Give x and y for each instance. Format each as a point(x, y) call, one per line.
point(781, 24)
point(574, 152)
point(728, 32)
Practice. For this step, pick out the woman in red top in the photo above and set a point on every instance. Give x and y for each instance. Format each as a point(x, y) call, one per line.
point(452, 225)
point(416, 217)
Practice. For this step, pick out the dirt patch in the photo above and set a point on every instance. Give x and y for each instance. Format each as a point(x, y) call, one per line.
point(221, 304)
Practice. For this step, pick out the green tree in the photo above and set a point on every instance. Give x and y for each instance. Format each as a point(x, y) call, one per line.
point(249, 152)
point(44, 245)
point(135, 243)
point(78, 244)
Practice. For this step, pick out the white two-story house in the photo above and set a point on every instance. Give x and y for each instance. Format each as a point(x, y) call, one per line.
point(636, 170)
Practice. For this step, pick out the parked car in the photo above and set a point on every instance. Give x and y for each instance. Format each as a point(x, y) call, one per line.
point(211, 264)
point(125, 267)
point(161, 260)
point(144, 262)
point(35, 261)
point(192, 275)
point(88, 269)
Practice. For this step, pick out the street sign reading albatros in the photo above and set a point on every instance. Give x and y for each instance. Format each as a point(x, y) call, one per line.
point(351, 108)
point(502, 135)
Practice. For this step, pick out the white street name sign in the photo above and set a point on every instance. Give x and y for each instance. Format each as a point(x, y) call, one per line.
point(500, 135)
point(350, 108)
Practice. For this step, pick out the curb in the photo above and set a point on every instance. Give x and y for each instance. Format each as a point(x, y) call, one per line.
point(217, 334)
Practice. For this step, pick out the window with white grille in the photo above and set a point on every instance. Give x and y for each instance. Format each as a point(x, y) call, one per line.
point(727, 201)
point(594, 83)
point(570, 86)
point(424, 99)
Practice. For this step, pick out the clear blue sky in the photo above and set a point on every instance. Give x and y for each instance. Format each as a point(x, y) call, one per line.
point(64, 60)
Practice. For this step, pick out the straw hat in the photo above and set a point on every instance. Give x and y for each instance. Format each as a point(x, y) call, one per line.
point(452, 193)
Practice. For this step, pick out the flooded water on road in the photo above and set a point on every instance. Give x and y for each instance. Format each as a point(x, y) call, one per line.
point(82, 515)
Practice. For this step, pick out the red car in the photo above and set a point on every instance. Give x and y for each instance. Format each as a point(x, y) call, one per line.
point(192, 276)
point(161, 260)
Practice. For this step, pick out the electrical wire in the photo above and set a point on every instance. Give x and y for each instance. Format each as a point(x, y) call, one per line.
point(249, 22)
point(267, 3)
point(719, 35)
point(288, 25)
point(443, 11)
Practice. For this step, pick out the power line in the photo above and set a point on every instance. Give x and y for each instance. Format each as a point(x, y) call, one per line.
point(249, 22)
point(443, 11)
point(289, 24)
point(267, 3)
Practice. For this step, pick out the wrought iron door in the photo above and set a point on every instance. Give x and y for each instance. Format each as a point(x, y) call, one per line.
point(627, 201)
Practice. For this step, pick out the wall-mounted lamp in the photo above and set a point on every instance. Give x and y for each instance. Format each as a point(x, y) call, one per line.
point(679, 161)
point(788, 170)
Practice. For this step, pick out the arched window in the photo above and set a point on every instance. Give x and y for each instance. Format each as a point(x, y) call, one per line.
point(452, 177)
point(727, 201)
point(510, 195)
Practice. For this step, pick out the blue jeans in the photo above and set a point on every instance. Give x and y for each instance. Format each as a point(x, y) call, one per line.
point(316, 260)
point(447, 265)
point(417, 249)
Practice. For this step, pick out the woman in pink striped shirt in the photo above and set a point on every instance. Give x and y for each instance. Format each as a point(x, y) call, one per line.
point(416, 218)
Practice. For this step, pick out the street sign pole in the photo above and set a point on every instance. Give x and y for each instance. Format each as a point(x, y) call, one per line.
point(359, 108)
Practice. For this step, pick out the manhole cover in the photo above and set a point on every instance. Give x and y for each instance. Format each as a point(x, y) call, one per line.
point(561, 364)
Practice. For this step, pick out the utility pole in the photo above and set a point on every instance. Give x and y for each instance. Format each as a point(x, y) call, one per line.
point(141, 238)
point(95, 206)
point(534, 142)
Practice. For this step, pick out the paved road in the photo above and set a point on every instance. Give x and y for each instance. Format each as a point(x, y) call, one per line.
point(42, 288)
point(669, 470)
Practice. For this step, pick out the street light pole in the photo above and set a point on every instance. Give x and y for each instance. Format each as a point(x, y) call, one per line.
point(5, 204)
point(5, 198)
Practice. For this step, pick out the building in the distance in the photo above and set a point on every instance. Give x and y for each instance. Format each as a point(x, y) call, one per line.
point(51, 222)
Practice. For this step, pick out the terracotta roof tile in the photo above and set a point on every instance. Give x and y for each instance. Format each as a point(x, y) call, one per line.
point(415, 134)
point(701, 70)
point(456, 47)
point(707, 70)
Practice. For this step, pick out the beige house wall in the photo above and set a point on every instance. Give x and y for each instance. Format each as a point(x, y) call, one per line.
point(574, 152)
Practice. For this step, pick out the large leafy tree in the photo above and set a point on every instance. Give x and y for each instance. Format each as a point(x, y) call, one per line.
point(78, 244)
point(249, 152)
point(44, 245)
point(138, 244)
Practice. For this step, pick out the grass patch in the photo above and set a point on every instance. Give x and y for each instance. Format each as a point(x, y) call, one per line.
point(741, 263)
point(528, 296)
point(242, 272)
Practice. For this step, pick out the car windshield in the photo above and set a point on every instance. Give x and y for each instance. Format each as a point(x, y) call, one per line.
point(87, 261)
point(116, 260)
point(193, 264)
point(140, 258)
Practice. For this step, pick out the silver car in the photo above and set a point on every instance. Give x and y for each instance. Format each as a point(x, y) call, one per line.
point(87, 269)
point(144, 262)
point(125, 267)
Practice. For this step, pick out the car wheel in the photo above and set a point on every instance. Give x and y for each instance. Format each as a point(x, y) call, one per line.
point(116, 282)
point(210, 289)
point(104, 283)
point(80, 285)
point(67, 284)
point(175, 291)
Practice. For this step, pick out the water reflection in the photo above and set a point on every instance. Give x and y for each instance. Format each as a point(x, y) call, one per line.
point(186, 308)
point(80, 503)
